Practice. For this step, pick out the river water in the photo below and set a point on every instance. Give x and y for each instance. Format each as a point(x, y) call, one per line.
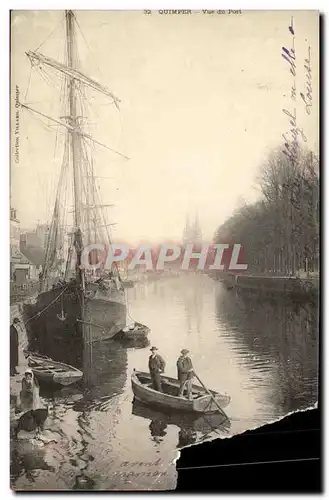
point(262, 352)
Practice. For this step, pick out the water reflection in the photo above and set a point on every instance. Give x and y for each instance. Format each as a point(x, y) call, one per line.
point(72, 416)
point(26, 457)
point(261, 353)
point(133, 343)
point(276, 335)
point(193, 300)
point(104, 368)
point(186, 437)
point(192, 428)
point(157, 430)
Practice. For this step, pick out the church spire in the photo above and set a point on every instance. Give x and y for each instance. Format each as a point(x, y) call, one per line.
point(187, 229)
point(197, 229)
point(187, 223)
point(192, 232)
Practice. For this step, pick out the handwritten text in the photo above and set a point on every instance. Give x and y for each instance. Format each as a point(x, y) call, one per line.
point(307, 97)
point(290, 137)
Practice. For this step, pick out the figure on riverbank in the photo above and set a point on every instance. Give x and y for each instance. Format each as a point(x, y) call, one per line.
point(156, 367)
point(32, 420)
point(29, 396)
point(14, 347)
point(185, 373)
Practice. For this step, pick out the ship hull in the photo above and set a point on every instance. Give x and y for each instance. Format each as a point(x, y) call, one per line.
point(56, 326)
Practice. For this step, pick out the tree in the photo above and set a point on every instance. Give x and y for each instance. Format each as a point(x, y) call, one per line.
point(280, 232)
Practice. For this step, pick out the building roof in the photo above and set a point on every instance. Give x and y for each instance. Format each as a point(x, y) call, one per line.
point(34, 255)
point(17, 256)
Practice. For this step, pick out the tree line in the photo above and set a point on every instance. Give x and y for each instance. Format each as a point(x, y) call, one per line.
point(280, 232)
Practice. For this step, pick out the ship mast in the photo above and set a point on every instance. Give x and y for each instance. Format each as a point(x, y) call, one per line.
point(74, 139)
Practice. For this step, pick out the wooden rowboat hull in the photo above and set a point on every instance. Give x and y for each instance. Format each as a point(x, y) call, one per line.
point(201, 402)
point(53, 372)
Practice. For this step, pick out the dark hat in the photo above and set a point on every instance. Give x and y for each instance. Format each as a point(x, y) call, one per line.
point(153, 348)
point(16, 320)
point(184, 351)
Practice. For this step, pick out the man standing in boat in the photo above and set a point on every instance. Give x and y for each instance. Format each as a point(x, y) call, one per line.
point(156, 367)
point(185, 373)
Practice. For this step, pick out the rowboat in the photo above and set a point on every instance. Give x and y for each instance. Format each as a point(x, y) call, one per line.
point(47, 370)
point(135, 331)
point(201, 401)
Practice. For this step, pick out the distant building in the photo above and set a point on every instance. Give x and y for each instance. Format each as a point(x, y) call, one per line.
point(15, 254)
point(39, 239)
point(25, 261)
point(27, 269)
point(192, 235)
point(192, 232)
point(26, 252)
point(35, 257)
point(42, 232)
point(36, 238)
point(30, 239)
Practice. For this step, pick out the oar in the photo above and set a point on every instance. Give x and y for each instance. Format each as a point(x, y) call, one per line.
point(210, 394)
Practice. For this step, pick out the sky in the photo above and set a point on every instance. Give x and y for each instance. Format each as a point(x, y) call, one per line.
point(202, 106)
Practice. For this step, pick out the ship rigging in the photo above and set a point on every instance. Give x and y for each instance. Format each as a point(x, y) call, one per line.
point(66, 314)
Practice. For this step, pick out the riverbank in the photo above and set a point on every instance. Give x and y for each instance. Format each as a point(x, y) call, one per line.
point(288, 285)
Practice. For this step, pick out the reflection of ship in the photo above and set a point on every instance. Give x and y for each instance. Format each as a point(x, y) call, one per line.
point(61, 312)
point(189, 425)
point(105, 369)
point(193, 300)
point(132, 343)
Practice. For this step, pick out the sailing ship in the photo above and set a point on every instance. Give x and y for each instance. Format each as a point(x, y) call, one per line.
point(82, 307)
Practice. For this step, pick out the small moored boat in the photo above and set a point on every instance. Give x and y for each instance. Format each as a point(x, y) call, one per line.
point(134, 331)
point(50, 371)
point(201, 401)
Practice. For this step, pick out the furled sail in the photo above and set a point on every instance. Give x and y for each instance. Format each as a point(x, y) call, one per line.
point(88, 223)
